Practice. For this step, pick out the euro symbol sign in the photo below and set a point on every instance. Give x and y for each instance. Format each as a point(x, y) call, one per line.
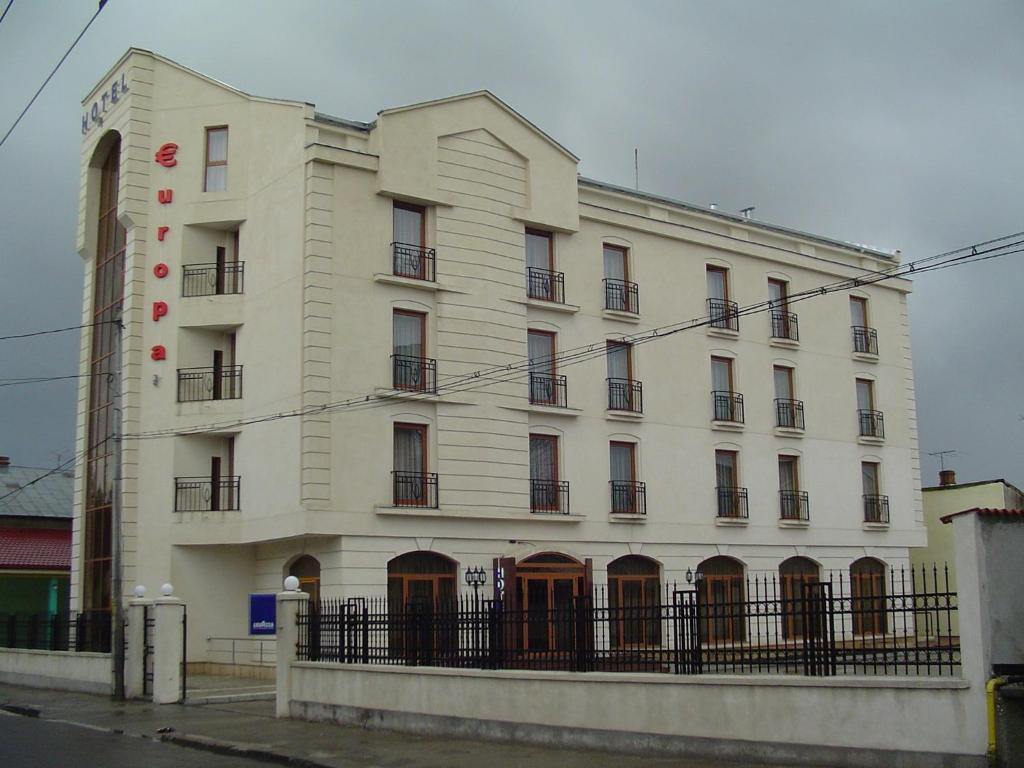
point(165, 155)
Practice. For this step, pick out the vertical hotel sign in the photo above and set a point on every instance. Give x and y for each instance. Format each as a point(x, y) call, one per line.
point(165, 157)
point(93, 116)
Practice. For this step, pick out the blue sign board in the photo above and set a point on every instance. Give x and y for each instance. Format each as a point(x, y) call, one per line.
point(262, 614)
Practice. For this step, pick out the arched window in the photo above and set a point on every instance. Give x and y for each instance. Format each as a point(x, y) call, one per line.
point(721, 595)
point(794, 574)
point(634, 601)
point(546, 588)
point(425, 578)
point(868, 599)
point(307, 570)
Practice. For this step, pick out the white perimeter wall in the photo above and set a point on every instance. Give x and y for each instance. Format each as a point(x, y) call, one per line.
point(61, 670)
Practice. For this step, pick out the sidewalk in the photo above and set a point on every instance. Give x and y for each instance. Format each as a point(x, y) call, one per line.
point(249, 728)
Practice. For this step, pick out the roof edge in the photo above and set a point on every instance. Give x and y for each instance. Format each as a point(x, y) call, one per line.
point(984, 512)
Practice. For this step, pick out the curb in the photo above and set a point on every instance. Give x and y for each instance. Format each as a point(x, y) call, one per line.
point(19, 709)
point(239, 750)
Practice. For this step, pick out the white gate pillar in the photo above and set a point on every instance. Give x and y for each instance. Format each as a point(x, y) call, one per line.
point(288, 603)
point(135, 645)
point(168, 647)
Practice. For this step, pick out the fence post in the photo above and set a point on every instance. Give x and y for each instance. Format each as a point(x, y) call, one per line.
point(168, 649)
point(135, 641)
point(288, 603)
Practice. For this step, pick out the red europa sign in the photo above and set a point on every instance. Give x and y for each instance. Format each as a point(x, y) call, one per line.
point(112, 95)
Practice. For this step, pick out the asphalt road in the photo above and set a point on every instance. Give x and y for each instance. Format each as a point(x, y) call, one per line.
point(35, 743)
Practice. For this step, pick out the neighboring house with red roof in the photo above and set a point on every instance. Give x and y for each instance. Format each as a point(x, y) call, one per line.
point(35, 539)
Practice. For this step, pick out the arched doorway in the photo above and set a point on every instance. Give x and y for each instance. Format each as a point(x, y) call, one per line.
point(794, 573)
point(721, 595)
point(421, 606)
point(306, 569)
point(423, 578)
point(868, 597)
point(634, 601)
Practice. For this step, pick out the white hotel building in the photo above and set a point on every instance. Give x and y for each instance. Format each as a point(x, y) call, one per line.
point(378, 354)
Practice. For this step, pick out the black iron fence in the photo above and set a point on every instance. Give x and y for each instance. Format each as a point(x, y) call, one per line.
point(416, 374)
point(785, 326)
point(548, 389)
point(629, 497)
point(724, 314)
point(212, 279)
point(412, 261)
point(789, 413)
point(414, 489)
point(223, 383)
point(732, 502)
point(865, 340)
point(901, 624)
point(794, 505)
point(871, 423)
point(625, 395)
point(876, 508)
point(545, 285)
point(206, 494)
point(549, 497)
point(621, 296)
point(87, 631)
point(727, 406)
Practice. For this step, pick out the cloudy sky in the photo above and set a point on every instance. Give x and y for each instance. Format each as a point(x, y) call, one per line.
point(896, 124)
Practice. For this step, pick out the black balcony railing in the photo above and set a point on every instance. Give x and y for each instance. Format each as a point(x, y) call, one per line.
point(86, 631)
point(723, 314)
point(415, 374)
point(794, 505)
point(206, 494)
point(876, 508)
point(223, 383)
point(785, 326)
point(212, 279)
point(732, 502)
point(628, 497)
point(621, 296)
point(625, 395)
point(549, 497)
point(545, 285)
point(547, 389)
point(871, 423)
point(865, 340)
point(413, 261)
point(789, 413)
point(414, 489)
point(728, 406)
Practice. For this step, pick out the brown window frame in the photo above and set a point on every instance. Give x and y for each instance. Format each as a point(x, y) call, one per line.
point(868, 606)
point(624, 250)
point(414, 208)
point(632, 459)
point(550, 237)
point(786, 458)
point(725, 281)
point(863, 303)
point(870, 390)
point(729, 366)
point(208, 163)
point(556, 469)
point(783, 292)
point(629, 356)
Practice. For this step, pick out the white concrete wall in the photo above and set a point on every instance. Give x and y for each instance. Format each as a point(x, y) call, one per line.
point(846, 721)
point(60, 670)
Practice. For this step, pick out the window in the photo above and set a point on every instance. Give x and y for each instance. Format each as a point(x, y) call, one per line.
point(795, 577)
point(858, 312)
point(721, 311)
point(721, 595)
point(620, 294)
point(784, 322)
point(410, 256)
point(793, 501)
point(542, 282)
point(307, 570)
point(628, 495)
point(216, 179)
point(624, 394)
point(869, 420)
point(544, 588)
point(727, 404)
point(413, 485)
point(732, 500)
point(545, 488)
point(419, 584)
point(868, 599)
point(876, 506)
point(411, 370)
point(634, 602)
point(865, 339)
point(789, 412)
point(546, 387)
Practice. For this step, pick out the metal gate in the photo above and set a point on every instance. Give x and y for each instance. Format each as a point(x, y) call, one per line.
point(148, 622)
point(686, 632)
point(819, 633)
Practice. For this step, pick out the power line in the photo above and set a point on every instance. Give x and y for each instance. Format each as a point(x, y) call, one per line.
point(40, 379)
point(50, 76)
point(55, 330)
point(4, 14)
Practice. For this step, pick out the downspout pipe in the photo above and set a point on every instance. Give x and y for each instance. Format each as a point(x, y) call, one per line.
point(994, 684)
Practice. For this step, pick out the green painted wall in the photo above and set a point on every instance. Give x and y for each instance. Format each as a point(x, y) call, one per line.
point(33, 593)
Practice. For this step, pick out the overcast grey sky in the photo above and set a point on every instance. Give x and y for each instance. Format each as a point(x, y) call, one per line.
point(896, 124)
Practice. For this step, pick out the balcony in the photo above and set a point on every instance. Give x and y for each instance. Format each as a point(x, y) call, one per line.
point(549, 497)
point(545, 285)
point(625, 395)
point(732, 503)
point(196, 384)
point(876, 509)
point(628, 497)
point(414, 489)
point(414, 374)
point(412, 261)
point(785, 326)
point(871, 424)
point(794, 506)
point(723, 315)
point(865, 340)
point(547, 389)
point(212, 279)
point(727, 406)
point(621, 296)
point(205, 494)
point(789, 414)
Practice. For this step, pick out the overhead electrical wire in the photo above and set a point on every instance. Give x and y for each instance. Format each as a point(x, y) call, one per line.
point(31, 334)
point(4, 14)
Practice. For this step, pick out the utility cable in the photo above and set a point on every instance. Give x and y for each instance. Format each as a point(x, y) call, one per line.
point(4, 14)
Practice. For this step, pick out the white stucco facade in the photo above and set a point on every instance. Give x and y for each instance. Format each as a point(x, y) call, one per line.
point(309, 201)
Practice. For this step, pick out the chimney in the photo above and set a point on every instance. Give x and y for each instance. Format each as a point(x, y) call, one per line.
point(5, 461)
point(947, 477)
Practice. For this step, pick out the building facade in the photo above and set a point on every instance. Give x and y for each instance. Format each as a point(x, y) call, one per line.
point(375, 355)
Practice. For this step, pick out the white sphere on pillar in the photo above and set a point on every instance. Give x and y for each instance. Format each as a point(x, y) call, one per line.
point(291, 584)
point(140, 591)
point(167, 590)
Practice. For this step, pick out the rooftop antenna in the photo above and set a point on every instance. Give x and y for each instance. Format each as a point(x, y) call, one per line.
point(942, 457)
point(745, 212)
point(636, 168)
